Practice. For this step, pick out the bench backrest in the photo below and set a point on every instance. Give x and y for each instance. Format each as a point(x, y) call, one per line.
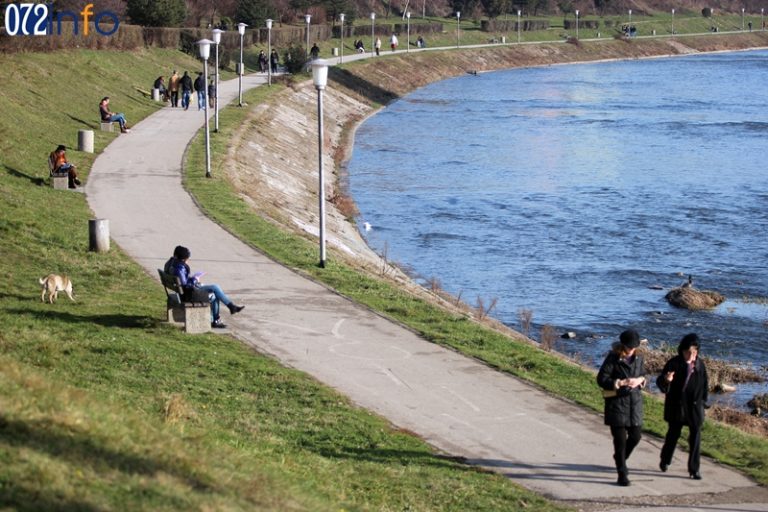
point(172, 286)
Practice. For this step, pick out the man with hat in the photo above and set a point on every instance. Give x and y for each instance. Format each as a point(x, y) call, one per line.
point(621, 376)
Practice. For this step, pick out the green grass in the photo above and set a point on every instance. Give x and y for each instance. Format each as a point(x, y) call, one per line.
point(106, 407)
point(746, 452)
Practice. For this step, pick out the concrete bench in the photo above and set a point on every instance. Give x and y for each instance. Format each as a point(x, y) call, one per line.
point(107, 126)
point(60, 180)
point(194, 316)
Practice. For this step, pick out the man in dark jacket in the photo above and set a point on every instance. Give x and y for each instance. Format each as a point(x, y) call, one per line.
point(200, 90)
point(621, 376)
point(186, 89)
point(684, 380)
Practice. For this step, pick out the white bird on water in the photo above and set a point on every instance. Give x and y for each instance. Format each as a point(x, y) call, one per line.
point(367, 226)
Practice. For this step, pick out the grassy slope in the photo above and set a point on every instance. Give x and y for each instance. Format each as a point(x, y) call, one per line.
point(726, 444)
point(104, 407)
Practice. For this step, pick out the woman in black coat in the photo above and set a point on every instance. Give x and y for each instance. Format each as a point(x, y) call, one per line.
point(684, 381)
point(622, 378)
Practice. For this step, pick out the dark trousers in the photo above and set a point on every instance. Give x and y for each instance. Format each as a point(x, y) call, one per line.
point(624, 441)
point(694, 445)
point(174, 98)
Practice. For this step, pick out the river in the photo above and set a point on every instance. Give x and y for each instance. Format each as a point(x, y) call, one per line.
point(583, 193)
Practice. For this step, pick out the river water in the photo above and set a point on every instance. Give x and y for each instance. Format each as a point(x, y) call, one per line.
point(583, 193)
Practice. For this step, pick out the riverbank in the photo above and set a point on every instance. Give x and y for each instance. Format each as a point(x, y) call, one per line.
point(273, 158)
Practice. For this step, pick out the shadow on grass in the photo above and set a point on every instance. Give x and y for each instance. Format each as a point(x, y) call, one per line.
point(360, 86)
point(25, 499)
point(81, 448)
point(93, 125)
point(35, 180)
point(388, 456)
point(116, 320)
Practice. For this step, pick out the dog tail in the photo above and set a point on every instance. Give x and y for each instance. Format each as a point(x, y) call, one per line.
point(41, 280)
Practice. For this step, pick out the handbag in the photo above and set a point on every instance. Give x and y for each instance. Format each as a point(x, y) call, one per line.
point(196, 295)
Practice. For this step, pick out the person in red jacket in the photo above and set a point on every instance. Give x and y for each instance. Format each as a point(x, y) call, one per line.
point(58, 164)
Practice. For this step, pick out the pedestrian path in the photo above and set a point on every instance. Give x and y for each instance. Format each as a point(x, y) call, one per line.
point(457, 404)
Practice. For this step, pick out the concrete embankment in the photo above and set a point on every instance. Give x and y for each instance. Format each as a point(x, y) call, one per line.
point(273, 161)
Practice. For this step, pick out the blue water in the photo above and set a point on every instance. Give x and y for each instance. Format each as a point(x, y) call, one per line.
point(573, 191)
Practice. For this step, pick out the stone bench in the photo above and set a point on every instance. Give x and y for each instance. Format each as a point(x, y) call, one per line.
point(107, 126)
point(60, 180)
point(194, 316)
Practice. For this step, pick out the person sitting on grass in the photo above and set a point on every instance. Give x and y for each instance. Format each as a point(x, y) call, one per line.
point(58, 164)
point(194, 290)
point(111, 117)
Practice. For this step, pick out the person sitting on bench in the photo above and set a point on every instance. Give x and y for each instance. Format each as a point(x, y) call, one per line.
point(190, 283)
point(111, 117)
point(57, 163)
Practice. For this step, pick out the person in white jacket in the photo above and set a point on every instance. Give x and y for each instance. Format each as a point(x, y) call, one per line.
point(393, 42)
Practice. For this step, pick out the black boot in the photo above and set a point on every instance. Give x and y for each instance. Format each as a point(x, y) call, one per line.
point(623, 479)
point(233, 308)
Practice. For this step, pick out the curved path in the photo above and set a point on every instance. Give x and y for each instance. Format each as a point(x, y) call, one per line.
point(455, 403)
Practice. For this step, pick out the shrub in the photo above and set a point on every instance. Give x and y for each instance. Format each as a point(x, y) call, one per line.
point(706, 12)
point(295, 59)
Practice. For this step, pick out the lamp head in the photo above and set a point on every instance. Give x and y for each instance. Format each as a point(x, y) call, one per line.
point(458, 14)
point(408, 14)
point(630, 12)
point(241, 28)
point(577, 12)
point(204, 46)
point(307, 17)
point(519, 12)
point(341, 17)
point(673, 10)
point(373, 16)
point(269, 24)
point(216, 35)
point(320, 73)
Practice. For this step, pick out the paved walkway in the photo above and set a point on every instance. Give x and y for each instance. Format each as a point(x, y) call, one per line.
point(455, 403)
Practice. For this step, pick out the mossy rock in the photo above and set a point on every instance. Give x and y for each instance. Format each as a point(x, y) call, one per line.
point(690, 298)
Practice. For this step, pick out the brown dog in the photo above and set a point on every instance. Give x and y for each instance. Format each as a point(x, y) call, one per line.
point(53, 284)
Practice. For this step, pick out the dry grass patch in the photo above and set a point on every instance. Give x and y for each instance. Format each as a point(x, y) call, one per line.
point(690, 298)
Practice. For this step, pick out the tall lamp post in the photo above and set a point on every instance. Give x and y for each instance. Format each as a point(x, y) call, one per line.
point(241, 31)
point(204, 45)
point(673, 21)
point(216, 40)
point(762, 23)
point(320, 79)
point(742, 19)
point(630, 23)
point(373, 20)
point(408, 18)
point(577, 23)
point(458, 27)
point(307, 18)
point(341, 19)
point(518, 25)
point(269, 52)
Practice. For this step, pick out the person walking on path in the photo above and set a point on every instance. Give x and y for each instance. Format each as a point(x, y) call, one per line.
point(314, 52)
point(274, 60)
point(173, 88)
point(200, 90)
point(186, 90)
point(377, 46)
point(685, 383)
point(108, 116)
point(212, 94)
point(262, 61)
point(193, 288)
point(393, 42)
point(621, 376)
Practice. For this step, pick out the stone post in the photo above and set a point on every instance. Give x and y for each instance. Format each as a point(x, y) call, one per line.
point(85, 140)
point(98, 235)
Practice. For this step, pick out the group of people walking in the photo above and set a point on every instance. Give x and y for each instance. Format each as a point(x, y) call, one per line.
point(183, 86)
point(272, 62)
point(684, 382)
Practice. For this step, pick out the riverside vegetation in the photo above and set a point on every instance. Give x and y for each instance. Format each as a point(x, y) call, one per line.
point(106, 407)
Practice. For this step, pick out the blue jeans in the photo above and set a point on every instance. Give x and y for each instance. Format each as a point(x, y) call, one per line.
point(218, 297)
point(118, 118)
point(200, 100)
point(185, 98)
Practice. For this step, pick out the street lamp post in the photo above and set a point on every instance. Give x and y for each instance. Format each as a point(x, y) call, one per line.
point(673, 21)
point(241, 31)
point(518, 25)
point(373, 43)
point(269, 52)
point(762, 23)
point(408, 18)
point(216, 40)
point(320, 79)
point(458, 27)
point(204, 45)
point(630, 24)
point(577, 23)
point(341, 19)
point(742, 19)
point(307, 17)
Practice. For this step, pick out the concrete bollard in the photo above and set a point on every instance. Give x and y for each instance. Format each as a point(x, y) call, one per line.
point(85, 140)
point(335, 52)
point(98, 235)
point(156, 94)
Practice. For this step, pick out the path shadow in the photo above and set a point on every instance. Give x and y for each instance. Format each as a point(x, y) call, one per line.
point(79, 447)
point(35, 180)
point(360, 86)
point(389, 456)
point(116, 320)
